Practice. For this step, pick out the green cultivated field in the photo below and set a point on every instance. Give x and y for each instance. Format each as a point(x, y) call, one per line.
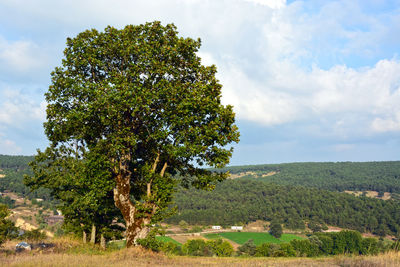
point(167, 239)
point(258, 238)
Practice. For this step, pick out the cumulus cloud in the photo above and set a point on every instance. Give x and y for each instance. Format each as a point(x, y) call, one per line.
point(341, 95)
point(17, 108)
point(330, 66)
point(21, 116)
point(270, 3)
point(22, 56)
point(304, 73)
point(9, 147)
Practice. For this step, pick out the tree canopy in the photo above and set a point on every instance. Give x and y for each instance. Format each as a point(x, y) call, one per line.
point(135, 106)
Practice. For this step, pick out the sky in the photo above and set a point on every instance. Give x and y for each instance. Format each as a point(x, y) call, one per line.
point(309, 80)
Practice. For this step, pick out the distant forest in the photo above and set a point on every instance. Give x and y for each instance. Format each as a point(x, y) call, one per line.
point(297, 195)
point(243, 201)
point(334, 176)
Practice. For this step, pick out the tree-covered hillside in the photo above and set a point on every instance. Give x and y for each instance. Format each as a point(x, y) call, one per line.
point(293, 194)
point(242, 201)
point(335, 176)
point(13, 169)
point(15, 162)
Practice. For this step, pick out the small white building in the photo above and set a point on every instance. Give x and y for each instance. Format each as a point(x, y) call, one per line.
point(237, 227)
point(216, 227)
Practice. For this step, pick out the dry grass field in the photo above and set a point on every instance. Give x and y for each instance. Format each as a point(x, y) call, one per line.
point(68, 252)
point(139, 257)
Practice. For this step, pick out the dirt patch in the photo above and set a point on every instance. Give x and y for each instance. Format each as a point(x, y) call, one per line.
point(386, 196)
point(24, 225)
point(269, 174)
point(257, 226)
point(356, 193)
point(371, 194)
point(2, 176)
point(11, 195)
point(241, 174)
point(333, 229)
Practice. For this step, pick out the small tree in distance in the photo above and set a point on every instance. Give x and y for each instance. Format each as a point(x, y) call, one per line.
point(275, 229)
point(133, 108)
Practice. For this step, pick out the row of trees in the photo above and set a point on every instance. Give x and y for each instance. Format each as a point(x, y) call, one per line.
point(242, 201)
point(344, 242)
point(319, 244)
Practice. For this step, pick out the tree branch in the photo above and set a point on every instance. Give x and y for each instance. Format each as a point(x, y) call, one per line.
point(153, 170)
point(163, 169)
point(156, 162)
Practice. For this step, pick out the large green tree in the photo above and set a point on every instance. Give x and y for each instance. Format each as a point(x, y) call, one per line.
point(139, 99)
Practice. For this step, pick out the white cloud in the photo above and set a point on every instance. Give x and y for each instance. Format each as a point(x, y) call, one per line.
point(18, 109)
point(21, 56)
point(341, 95)
point(8, 147)
point(270, 3)
point(279, 63)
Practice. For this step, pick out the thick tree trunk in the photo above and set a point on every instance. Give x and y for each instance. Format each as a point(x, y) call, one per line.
point(102, 242)
point(93, 235)
point(84, 237)
point(136, 228)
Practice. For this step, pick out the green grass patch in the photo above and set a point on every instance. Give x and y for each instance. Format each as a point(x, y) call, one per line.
point(258, 238)
point(116, 244)
point(212, 236)
point(167, 239)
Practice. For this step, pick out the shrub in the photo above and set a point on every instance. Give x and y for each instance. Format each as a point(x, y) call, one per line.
point(369, 246)
point(220, 248)
point(150, 242)
point(286, 250)
point(171, 248)
point(248, 248)
point(271, 250)
point(33, 235)
point(326, 244)
point(263, 250)
point(305, 248)
point(196, 247)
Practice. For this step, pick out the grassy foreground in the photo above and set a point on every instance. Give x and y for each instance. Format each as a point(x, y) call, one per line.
point(73, 253)
point(139, 257)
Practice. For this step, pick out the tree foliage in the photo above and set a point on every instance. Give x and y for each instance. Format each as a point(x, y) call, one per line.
point(136, 106)
point(7, 227)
